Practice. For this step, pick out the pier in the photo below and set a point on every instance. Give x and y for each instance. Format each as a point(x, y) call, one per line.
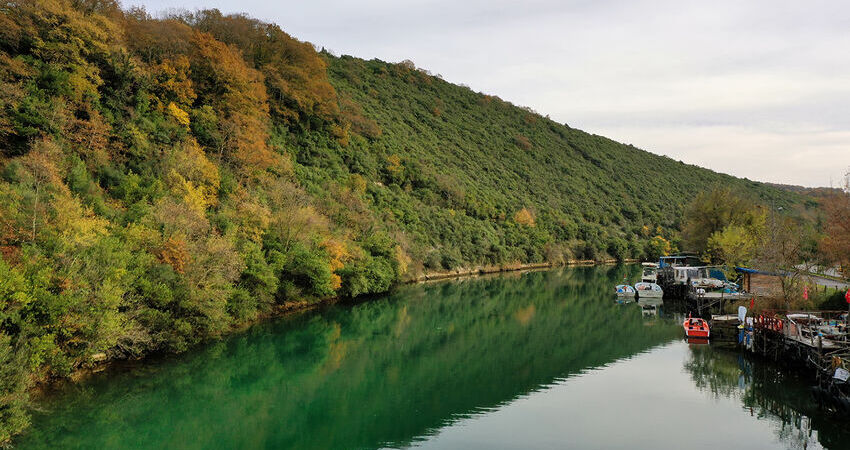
point(815, 343)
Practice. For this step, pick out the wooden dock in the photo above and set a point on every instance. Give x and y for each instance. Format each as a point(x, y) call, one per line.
point(800, 345)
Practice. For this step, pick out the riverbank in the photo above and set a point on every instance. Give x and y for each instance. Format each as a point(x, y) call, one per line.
point(104, 362)
point(483, 270)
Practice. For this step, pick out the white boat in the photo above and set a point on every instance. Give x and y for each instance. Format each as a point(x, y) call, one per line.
point(624, 291)
point(648, 290)
point(699, 277)
point(650, 272)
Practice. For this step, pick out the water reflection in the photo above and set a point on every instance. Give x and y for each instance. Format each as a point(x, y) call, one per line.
point(768, 392)
point(388, 372)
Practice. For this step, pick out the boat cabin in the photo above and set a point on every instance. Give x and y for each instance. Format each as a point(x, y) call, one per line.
point(650, 273)
point(704, 277)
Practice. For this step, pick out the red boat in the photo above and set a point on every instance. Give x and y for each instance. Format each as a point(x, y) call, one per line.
point(696, 328)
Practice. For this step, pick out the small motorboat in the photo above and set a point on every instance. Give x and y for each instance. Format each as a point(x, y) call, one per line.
point(696, 328)
point(648, 290)
point(624, 292)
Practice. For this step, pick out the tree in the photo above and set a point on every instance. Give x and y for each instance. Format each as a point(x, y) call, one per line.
point(295, 75)
point(524, 217)
point(657, 247)
point(43, 174)
point(782, 251)
point(836, 242)
point(736, 244)
point(710, 212)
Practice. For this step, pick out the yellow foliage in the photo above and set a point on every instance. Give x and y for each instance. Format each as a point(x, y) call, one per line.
point(194, 196)
point(340, 133)
point(524, 217)
point(78, 224)
point(394, 167)
point(403, 260)
point(357, 184)
point(192, 176)
point(181, 116)
point(173, 84)
point(336, 281)
point(662, 246)
point(337, 252)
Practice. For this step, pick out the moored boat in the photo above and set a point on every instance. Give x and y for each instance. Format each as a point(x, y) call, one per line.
point(696, 327)
point(624, 292)
point(650, 272)
point(648, 290)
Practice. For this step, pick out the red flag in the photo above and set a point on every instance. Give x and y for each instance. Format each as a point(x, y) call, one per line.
point(753, 302)
point(806, 293)
point(847, 296)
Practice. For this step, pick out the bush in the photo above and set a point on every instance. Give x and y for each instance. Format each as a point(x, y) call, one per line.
point(309, 270)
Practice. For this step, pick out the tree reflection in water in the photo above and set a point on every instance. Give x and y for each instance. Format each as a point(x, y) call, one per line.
point(385, 372)
point(768, 392)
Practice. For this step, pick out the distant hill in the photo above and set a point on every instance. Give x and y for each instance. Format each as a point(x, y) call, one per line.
point(470, 165)
point(814, 192)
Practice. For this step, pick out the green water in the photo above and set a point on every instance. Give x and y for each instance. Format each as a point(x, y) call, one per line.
point(533, 360)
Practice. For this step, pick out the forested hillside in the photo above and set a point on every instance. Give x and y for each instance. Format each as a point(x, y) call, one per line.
point(163, 180)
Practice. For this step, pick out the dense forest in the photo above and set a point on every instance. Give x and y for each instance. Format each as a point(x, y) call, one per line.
point(164, 180)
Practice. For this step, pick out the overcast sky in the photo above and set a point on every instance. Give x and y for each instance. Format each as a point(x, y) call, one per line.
point(757, 89)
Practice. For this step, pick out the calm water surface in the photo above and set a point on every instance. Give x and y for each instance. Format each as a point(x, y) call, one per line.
point(533, 360)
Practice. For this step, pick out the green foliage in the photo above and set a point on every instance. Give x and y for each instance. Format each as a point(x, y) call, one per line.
point(308, 270)
point(164, 180)
point(712, 211)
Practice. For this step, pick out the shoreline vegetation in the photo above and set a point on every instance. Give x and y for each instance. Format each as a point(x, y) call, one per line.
point(100, 364)
point(164, 180)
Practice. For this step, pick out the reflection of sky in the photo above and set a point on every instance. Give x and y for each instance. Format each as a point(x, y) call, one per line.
point(648, 401)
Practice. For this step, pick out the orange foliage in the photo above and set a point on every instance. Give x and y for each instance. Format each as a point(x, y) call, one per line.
point(295, 75)
point(175, 254)
point(337, 252)
point(836, 242)
point(339, 255)
point(154, 40)
point(524, 217)
point(195, 68)
point(90, 136)
point(237, 92)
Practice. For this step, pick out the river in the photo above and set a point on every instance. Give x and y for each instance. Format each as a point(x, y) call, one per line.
point(520, 360)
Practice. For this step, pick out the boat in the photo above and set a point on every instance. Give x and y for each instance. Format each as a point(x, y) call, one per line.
point(624, 291)
point(696, 327)
point(648, 290)
point(650, 272)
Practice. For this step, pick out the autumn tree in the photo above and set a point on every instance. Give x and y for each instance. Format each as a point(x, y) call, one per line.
point(836, 242)
point(524, 217)
point(294, 73)
point(783, 251)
